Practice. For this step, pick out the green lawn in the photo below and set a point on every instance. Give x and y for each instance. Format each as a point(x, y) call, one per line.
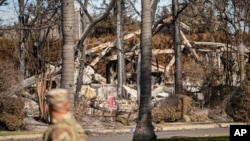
point(219, 138)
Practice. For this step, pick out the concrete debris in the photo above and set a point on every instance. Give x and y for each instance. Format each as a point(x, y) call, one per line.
point(89, 75)
point(158, 93)
point(104, 92)
point(161, 92)
point(131, 92)
point(88, 93)
point(31, 108)
point(101, 104)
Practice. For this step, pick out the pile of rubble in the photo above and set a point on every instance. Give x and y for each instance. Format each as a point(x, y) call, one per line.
point(101, 101)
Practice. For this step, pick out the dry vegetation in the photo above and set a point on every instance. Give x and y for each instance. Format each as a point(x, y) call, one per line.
point(238, 106)
point(9, 66)
point(225, 99)
point(11, 113)
point(11, 108)
point(172, 109)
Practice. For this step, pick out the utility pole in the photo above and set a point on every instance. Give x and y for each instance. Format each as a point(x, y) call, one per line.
point(177, 48)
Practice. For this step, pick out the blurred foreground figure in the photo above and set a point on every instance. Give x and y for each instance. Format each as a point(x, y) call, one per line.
point(63, 126)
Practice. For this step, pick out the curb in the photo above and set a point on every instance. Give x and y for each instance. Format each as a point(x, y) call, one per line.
point(15, 137)
point(168, 127)
point(193, 126)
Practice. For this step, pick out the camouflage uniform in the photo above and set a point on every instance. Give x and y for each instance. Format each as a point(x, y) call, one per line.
point(65, 128)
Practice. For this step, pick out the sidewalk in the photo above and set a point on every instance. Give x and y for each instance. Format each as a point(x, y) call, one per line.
point(175, 126)
point(169, 127)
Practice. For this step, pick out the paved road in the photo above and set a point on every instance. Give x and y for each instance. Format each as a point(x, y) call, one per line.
point(167, 134)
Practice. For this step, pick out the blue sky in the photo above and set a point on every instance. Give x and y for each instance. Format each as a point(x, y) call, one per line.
point(9, 15)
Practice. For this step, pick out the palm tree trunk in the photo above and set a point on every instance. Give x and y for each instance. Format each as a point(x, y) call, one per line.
point(67, 79)
point(22, 40)
point(120, 51)
point(177, 49)
point(144, 129)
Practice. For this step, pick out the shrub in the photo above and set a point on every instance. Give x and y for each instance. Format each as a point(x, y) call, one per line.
point(11, 108)
point(11, 112)
point(172, 109)
point(219, 96)
point(238, 106)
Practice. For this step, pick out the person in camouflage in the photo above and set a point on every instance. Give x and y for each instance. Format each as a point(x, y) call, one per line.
point(63, 126)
